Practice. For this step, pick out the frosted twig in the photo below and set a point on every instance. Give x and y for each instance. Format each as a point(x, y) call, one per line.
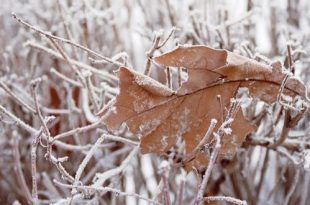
point(225, 198)
point(34, 85)
point(91, 92)
point(34, 146)
point(85, 161)
point(263, 174)
point(16, 98)
point(150, 53)
point(163, 170)
point(65, 41)
point(18, 120)
point(102, 177)
point(168, 77)
point(167, 38)
point(77, 131)
point(293, 187)
point(121, 55)
point(109, 77)
point(234, 106)
point(66, 27)
point(207, 174)
point(57, 162)
point(118, 138)
point(104, 190)
point(230, 23)
point(65, 78)
point(290, 144)
point(179, 200)
point(18, 169)
point(67, 59)
point(203, 141)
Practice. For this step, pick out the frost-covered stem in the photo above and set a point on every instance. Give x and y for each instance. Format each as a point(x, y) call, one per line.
point(290, 144)
point(34, 146)
point(234, 106)
point(65, 78)
point(77, 131)
point(65, 41)
point(203, 141)
point(108, 77)
point(57, 162)
point(226, 199)
point(305, 188)
point(289, 58)
point(18, 120)
point(168, 77)
point(18, 169)
point(119, 139)
point(66, 27)
point(229, 23)
point(104, 190)
point(120, 55)
point(150, 53)
point(173, 29)
point(293, 187)
point(164, 169)
point(258, 56)
point(285, 130)
point(34, 86)
point(91, 92)
point(15, 97)
point(207, 174)
point(102, 177)
point(67, 59)
point(179, 77)
point(263, 174)
point(85, 161)
point(179, 200)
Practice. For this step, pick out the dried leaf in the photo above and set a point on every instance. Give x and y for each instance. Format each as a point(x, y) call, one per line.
point(160, 115)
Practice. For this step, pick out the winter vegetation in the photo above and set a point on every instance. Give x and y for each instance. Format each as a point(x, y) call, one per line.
point(154, 102)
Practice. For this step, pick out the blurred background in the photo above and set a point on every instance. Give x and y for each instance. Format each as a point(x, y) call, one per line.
point(123, 31)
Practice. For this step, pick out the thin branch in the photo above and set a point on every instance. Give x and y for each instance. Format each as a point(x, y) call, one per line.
point(77, 131)
point(34, 146)
point(104, 190)
point(87, 158)
point(34, 85)
point(18, 169)
point(65, 41)
point(150, 53)
point(15, 97)
point(102, 177)
point(218, 135)
point(293, 187)
point(226, 199)
point(106, 75)
point(202, 142)
point(18, 120)
point(163, 170)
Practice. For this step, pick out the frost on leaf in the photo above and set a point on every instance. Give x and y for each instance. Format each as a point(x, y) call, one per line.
point(160, 115)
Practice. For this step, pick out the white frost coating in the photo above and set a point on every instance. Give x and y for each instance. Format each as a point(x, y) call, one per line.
point(149, 126)
point(227, 131)
point(307, 159)
point(152, 85)
point(113, 110)
point(183, 122)
point(164, 142)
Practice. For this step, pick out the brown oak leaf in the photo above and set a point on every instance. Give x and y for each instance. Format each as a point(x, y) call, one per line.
point(160, 115)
